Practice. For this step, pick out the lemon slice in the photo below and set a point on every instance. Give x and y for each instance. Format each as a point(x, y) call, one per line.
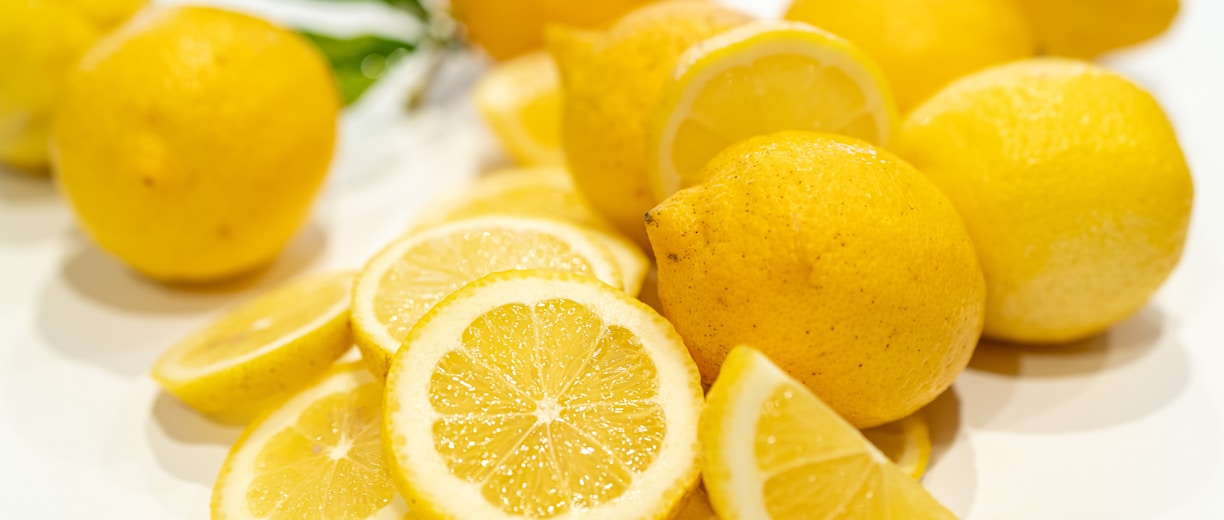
point(541, 394)
point(757, 79)
point(249, 358)
point(319, 455)
point(906, 442)
point(404, 280)
point(521, 101)
point(539, 191)
point(772, 449)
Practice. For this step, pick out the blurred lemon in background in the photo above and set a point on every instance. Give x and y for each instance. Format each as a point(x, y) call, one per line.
point(1086, 28)
point(191, 141)
point(521, 101)
point(506, 29)
point(1072, 184)
point(42, 41)
point(613, 82)
point(924, 44)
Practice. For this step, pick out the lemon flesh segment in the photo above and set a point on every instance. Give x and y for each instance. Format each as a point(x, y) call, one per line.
point(317, 456)
point(761, 78)
point(250, 357)
point(521, 101)
point(772, 449)
point(542, 394)
point(906, 442)
point(407, 278)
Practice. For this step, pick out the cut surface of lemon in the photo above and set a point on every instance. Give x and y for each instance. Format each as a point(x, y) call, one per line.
point(543, 394)
point(757, 79)
point(772, 449)
point(319, 455)
point(521, 101)
point(404, 280)
point(538, 191)
point(906, 442)
point(251, 356)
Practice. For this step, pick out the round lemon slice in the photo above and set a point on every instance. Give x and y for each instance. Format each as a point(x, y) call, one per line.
point(404, 280)
point(906, 442)
point(248, 359)
point(539, 191)
point(521, 101)
point(542, 394)
point(772, 449)
point(757, 79)
point(319, 455)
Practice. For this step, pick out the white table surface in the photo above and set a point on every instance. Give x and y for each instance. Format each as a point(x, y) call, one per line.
point(1124, 426)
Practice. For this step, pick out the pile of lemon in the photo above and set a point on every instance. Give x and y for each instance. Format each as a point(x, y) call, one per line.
point(839, 206)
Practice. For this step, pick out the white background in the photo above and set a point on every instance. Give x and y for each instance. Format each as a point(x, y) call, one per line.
point(1124, 426)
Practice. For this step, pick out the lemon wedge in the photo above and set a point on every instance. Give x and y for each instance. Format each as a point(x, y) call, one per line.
point(772, 449)
point(252, 356)
point(404, 280)
point(521, 101)
point(757, 79)
point(319, 455)
point(906, 442)
point(543, 394)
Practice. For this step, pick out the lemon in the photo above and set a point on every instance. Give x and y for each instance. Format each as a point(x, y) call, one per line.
point(409, 276)
point(319, 455)
point(924, 44)
point(541, 394)
point(698, 507)
point(613, 83)
point(42, 41)
point(1087, 28)
point(761, 78)
point(545, 192)
point(772, 449)
point(508, 29)
point(839, 260)
point(238, 365)
point(1072, 184)
point(174, 163)
point(521, 101)
point(906, 442)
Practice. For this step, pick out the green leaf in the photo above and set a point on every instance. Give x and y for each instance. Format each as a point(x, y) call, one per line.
point(358, 62)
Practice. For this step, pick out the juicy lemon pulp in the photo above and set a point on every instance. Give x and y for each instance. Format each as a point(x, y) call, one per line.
point(565, 408)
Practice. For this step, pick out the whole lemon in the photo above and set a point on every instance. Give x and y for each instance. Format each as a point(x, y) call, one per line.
point(506, 29)
point(191, 141)
point(837, 259)
point(42, 41)
point(1073, 185)
point(613, 82)
point(924, 44)
point(1087, 28)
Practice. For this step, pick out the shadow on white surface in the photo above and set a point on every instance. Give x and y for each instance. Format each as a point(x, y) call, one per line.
point(173, 427)
point(32, 210)
point(952, 459)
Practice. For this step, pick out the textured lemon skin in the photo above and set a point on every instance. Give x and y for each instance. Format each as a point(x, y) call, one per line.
point(838, 260)
point(1088, 28)
point(613, 83)
point(924, 44)
point(508, 29)
point(191, 142)
point(1073, 185)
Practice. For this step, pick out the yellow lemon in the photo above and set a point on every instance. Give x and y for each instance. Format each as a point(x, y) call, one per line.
point(761, 78)
point(542, 394)
point(772, 449)
point(906, 442)
point(42, 41)
point(249, 358)
point(174, 162)
point(1073, 185)
point(507, 29)
point(613, 82)
point(1087, 28)
point(924, 44)
point(836, 258)
point(319, 455)
point(521, 101)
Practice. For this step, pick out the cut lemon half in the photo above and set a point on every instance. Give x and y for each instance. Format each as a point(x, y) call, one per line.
point(772, 449)
point(542, 394)
point(404, 280)
point(757, 79)
point(248, 359)
point(319, 455)
point(521, 101)
point(539, 191)
point(906, 442)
